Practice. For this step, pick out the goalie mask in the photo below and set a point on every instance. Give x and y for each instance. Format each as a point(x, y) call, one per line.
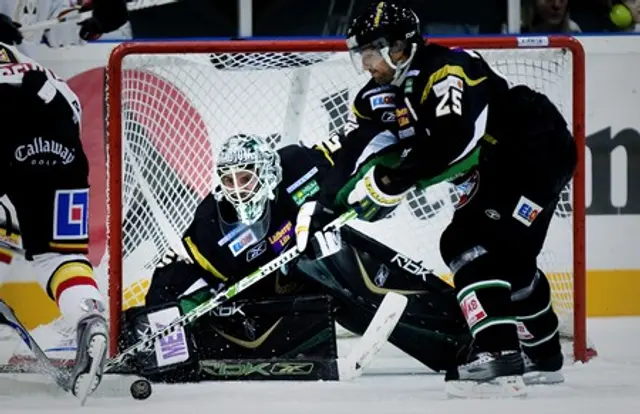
point(384, 28)
point(249, 172)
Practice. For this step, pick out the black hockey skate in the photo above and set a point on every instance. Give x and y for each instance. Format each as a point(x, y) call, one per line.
point(91, 355)
point(543, 370)
point(488, 375)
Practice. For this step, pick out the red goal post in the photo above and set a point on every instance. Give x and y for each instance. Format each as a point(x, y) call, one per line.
point(117, 133)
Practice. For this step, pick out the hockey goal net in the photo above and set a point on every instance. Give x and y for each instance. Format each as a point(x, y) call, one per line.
point(172, 104)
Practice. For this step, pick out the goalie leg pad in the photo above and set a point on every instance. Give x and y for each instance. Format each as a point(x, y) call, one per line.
point(285, 327)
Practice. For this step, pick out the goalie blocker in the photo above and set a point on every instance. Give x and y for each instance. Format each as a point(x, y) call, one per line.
point(275, 333)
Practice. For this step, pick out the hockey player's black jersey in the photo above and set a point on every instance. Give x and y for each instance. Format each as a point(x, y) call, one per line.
point(228, 258)
point(451, 107)
point(370, 127)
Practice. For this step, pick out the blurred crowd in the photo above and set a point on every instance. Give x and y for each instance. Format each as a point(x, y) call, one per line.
point(30, 20)
point(219, 18)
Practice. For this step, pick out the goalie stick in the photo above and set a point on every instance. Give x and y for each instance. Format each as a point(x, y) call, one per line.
point(375, 336)
point(211, 304)
point(80, 17)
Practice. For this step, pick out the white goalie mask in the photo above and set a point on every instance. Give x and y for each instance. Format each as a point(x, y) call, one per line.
point(249, 172)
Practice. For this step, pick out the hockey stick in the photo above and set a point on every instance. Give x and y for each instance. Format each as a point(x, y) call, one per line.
point(376, 335)
point(217, 300)
point(80, 17)
point(8, 318)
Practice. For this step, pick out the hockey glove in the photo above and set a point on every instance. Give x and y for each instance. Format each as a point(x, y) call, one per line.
point(9, 31)
point(107, 16)
point(312, 239)
point(369, 201)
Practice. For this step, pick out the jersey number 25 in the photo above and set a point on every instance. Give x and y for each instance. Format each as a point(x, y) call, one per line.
point(449, 91)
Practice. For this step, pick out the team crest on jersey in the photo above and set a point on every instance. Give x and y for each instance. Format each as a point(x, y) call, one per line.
point(467, 189)
point(71, 214)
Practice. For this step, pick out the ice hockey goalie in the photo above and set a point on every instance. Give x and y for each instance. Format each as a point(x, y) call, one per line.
point(288, 318)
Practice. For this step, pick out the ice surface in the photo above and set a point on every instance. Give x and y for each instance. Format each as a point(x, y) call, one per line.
point(610, 383)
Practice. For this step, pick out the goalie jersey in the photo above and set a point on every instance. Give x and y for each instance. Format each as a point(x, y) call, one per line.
point(224, 257)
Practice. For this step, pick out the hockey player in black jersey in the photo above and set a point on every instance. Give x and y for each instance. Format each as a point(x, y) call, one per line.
point(247, 221)
point(458, 120)
point(45, 201)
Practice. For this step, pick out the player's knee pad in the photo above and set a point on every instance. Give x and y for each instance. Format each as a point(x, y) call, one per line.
point(173, 357)
point(485, 299)
point(537, 322)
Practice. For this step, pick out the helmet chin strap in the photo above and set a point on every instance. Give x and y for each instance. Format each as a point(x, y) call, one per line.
point(401, 68)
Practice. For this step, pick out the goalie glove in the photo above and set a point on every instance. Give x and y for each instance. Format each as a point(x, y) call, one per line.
point(370, 201)
point(312, 239)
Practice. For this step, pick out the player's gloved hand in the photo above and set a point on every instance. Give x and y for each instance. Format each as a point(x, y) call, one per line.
point(369, 201)
point(9, 31)
point(107, 16)
point(312, 238)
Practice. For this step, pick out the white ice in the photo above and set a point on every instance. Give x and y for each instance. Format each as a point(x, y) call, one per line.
point(609, 383)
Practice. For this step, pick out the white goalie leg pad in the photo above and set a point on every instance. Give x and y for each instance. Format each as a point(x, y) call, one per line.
point(382, 325)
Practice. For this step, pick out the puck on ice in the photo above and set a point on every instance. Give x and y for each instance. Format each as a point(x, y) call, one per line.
point(140, 389)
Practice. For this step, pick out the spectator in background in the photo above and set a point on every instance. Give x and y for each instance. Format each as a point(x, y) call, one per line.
point(460, 17)
point(606, 15)
point(547, 16)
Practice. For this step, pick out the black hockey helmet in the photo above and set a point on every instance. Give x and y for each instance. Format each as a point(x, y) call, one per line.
point(379, 27)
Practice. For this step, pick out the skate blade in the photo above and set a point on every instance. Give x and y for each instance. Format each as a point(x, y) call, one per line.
point(543, 378)
point(501, 387)
point(88, 382)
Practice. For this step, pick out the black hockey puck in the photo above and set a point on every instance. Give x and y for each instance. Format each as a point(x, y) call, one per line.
point(140, 389)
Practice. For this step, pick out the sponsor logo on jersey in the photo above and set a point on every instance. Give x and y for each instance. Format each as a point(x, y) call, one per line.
point(467, 189)
point(406, 132)
point(408, 86)
point(526, 211)
point(302, 180)
point(305, 192)
point(381, 101)
point(71, 214)
point(256, 250)
point(388, 116)
point(38, 147)
point(243, 242)
point(472, 309)
point(523, 333)
point(280, 238)
point(402, 116)
point(233, 233)
point(492, 214)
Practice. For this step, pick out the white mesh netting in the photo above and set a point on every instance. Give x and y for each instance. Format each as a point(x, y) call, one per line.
point(177, 108)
